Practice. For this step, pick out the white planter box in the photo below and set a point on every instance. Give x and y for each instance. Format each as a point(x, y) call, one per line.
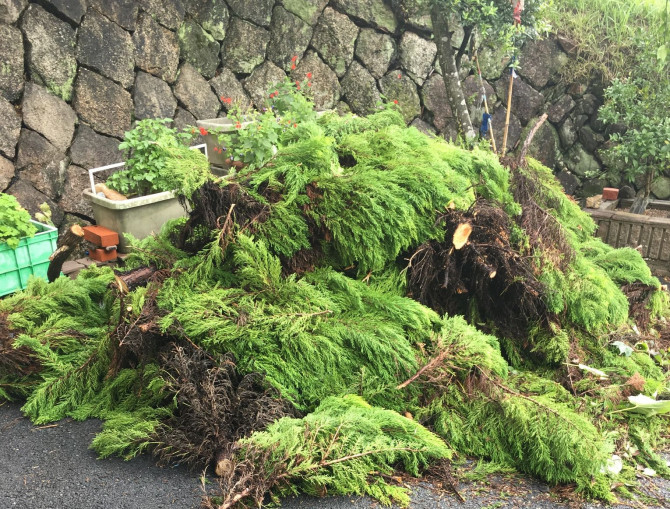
point(141, 216)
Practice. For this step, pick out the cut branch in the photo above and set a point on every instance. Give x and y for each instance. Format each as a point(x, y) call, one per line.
point(529, 138)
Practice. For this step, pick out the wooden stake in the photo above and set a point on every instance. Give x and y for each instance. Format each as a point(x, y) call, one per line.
point(509, 111)
point(70, 240)
point(486, 104)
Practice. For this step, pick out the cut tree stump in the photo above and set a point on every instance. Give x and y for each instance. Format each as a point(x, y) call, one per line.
point(68, 242)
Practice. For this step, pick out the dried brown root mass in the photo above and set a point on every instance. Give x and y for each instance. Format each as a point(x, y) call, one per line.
point(487, 271)
point(216, 406)
point(638, 295)
point(14, 361)
point(211, 205)
point(542, 228)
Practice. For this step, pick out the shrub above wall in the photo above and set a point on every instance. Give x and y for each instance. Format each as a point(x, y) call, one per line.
point(92, 68)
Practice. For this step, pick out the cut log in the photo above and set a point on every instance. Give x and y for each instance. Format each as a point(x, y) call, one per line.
point(68, 242)
point(134, 278)
point(110, 194)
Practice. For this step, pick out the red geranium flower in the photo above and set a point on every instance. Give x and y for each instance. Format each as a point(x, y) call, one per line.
point(309, 83)
point(309, 74)
point(295, 57)
point(203, 131)
point(395, 101)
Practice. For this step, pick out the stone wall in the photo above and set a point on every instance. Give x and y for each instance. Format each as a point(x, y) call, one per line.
point(75, 74)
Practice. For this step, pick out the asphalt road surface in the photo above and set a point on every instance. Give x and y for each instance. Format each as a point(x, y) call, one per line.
point(51, 467)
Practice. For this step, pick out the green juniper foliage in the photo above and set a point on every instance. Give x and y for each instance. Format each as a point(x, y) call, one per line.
point(303, 283)
point(335, 448)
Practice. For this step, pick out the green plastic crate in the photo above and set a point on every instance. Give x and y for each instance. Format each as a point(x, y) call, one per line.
point(30, 258)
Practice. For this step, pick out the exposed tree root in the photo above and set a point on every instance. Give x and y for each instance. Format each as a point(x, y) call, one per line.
point(487, 271)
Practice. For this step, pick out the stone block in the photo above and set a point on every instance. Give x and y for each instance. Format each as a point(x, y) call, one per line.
point(375, 13)
point(325, 85)
point(360, 90)
point(152, 97)
point(121, 12)
point(423, 126)
point(195, 93)
point(156, 48)
point(660, 188)
point(513, 133)
point(335, 39)
point(10, 10)
point(169, 13)
point(376, 51)
point(261, 80)
point(31, 199)
point(258, 12)
point(526, 101)
point(11, 62)
point(398, 86)
point(545, 144)
point(559, 110)
point(92, 150)
point(434, 95)
point(569, 182)
point(71, 9)
point(244, 58)
point(289, 37)
point(417, 56)
point(542, 60)
point(199, 48)
point(212, 15)
point(227, 85)
point(6, 173)
point(103, 104)
point(41, 163)
point(307, 10)
point(10, 128)
point(105, 47)
point(51, 50)
point(49, 115)
point(72, 200)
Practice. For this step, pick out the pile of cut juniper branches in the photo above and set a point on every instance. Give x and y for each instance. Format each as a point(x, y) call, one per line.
point(369, 300)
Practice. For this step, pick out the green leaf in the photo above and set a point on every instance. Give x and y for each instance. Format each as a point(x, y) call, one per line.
point(624, 349)
point(648, 406)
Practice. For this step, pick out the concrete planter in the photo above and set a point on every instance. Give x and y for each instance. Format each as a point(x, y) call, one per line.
point(139, 216)
point(223, 125)
point(651, 235)
point(217, 125)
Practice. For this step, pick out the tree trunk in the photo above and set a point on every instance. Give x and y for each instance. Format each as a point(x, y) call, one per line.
point(452, 80)
point(643, 197)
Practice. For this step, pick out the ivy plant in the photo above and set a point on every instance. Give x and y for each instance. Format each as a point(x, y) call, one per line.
point(148, 148)
point(14, 221)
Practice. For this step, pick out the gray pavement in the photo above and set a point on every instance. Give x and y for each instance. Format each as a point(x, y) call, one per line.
point(51, 467)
